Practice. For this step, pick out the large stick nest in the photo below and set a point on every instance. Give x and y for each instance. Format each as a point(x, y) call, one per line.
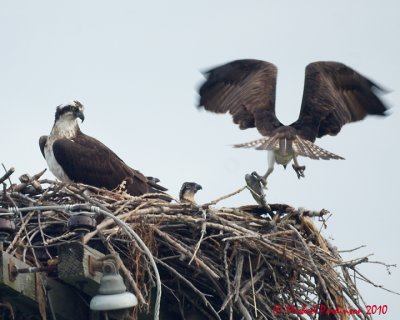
point(218, 263)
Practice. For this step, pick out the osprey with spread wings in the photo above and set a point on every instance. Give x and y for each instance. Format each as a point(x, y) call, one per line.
point(334, 95)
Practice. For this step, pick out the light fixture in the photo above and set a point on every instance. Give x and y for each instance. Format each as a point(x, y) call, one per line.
point(112, 291)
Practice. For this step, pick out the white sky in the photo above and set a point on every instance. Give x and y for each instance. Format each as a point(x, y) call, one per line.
point(136, 66)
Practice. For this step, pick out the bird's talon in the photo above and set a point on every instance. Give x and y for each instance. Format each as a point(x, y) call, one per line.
point(264, 183)
point(256, 175)
point(261, 179)
point(299, 170)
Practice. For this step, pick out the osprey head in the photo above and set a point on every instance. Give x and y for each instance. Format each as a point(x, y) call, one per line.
point(70, 111)
point(188, 190)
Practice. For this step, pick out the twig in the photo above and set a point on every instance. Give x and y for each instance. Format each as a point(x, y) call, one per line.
point(246, 314)
point(190, 285)
point(317, 273)
point(364, 278)
point(238, 276)
point(122, 266)
point(206, 268)
point(8, 173)
point(214, 202)
point(352, 250)
point(228, 283)
point(252, 285)
point(202, 234)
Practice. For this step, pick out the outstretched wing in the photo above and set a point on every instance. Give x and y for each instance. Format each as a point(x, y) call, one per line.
point(86, 160)
point(334, 95)
point(245, 88)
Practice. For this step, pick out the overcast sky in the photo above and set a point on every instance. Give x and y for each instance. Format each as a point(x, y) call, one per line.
point(136, 66)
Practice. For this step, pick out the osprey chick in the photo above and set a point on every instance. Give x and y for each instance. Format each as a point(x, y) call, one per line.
point(334, 95)
point(187, 192)
point(73, 156)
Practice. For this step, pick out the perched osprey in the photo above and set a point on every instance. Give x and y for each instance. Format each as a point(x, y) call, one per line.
point(334, 95)
point(73, 156)
point(187, 192)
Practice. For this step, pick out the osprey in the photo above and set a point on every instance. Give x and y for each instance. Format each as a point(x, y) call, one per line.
point(187, 192)
point(73, 156)
point(334, 95)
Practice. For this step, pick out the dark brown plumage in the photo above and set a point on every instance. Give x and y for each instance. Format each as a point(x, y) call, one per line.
point(334, 95)
point(73, 155)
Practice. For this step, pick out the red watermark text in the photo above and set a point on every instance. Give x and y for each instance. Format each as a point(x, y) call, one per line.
point(323, 309)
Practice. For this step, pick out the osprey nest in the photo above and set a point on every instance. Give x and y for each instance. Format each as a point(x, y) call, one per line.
point(182, 260)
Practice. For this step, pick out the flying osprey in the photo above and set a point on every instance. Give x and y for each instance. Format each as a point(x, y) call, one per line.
point(73, 156)
point(334, 95)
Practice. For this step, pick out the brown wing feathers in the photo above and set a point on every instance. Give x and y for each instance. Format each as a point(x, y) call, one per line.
point(334, 95)
point(245, 88)
point(89, 161)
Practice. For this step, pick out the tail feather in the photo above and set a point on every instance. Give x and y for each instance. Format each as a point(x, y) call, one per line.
point(307, 150)
point(269, 143)
point(266, 143)
point(298, 146)
point(251, 144)
point(313, 151)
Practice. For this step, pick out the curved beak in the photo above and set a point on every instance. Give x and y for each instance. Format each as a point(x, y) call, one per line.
point(80, 115)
